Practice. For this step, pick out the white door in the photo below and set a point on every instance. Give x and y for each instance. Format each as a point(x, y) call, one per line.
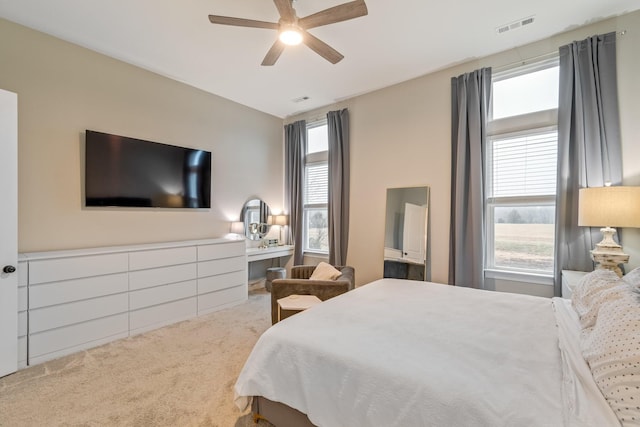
point(8, 232)
point(414, 234)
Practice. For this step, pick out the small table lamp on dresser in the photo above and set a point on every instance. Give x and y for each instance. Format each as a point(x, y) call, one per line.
point(281, 220)
point(609, 207)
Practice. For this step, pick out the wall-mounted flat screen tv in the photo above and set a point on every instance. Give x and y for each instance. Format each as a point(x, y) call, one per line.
point(129, 172)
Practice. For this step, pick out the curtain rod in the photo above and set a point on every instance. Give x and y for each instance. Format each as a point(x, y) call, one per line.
point(318, 117)
point(525, 61)
point(537, 57)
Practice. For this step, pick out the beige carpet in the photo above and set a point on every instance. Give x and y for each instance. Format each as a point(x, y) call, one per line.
point(180, 375)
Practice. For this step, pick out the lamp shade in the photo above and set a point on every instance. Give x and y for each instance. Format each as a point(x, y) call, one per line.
point(281, 220)
point(609, 207)
point(237, 227)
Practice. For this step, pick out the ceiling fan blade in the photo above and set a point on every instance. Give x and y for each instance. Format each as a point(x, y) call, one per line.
point(285, 9)
point(343, 12)
point(241, 22)
point(274, 53)
point(321, 48)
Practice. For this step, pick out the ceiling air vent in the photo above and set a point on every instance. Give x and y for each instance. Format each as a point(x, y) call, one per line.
point(515, 24)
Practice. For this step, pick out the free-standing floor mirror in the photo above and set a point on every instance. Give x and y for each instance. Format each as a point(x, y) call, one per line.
point(406, 232)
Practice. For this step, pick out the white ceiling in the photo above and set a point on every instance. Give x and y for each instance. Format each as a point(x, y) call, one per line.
point(397, 40)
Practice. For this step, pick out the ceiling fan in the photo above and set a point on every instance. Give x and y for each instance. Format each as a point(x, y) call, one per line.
point(293, 30)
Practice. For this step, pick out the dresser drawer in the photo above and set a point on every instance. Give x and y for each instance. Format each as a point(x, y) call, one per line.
point(221, 266)
point(159, 315)
point(22, 324)
point(22, 352)
point(76, 290)
point(226, 297)
point(222, 250)
point(161, 294)
point(161, 257)
point(53, 343)
point(23, 273)
point(56, 316)
point(23, 298)
point(161, 276)
point(23, 305)
point(54, 270)
point(221, 281)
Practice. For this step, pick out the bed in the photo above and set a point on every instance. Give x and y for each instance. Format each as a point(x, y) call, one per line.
point(407, 353)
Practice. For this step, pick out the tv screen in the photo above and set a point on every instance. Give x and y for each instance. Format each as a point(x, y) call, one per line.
point(129, 172)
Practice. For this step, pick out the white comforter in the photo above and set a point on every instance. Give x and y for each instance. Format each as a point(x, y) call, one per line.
point(403, 353)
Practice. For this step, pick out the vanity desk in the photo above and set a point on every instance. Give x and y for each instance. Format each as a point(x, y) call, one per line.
point(260, 226)
point(260, 259)
point(259, 254)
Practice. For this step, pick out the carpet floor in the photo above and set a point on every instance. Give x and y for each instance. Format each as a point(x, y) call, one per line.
point(179, 375)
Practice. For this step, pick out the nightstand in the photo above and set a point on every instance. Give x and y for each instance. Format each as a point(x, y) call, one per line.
point(569, 280)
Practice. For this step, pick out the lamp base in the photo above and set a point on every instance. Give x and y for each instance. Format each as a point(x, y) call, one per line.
point(608, 254)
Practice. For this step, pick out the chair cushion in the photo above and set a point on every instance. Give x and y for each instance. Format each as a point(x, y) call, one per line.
point(324, 271)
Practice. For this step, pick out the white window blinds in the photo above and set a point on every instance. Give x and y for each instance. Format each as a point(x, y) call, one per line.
point(524, 165)
point(316, 190)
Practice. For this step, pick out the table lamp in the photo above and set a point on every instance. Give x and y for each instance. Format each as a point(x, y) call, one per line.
point(237, 227)
point(609, 207)
point(282, 221)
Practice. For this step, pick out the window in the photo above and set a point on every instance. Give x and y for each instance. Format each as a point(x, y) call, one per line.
point(316, 189)
point(521, 170)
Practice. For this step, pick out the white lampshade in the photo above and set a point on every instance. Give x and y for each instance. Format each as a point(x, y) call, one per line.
point(237, 227)
point(609, 207)
point(281, 220)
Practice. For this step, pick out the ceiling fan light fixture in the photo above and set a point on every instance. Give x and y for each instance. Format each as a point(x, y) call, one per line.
point(293, 30)
point(291, 36)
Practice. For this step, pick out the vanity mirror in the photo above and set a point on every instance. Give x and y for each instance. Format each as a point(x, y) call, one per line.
point(254, 215)
point(405, 237)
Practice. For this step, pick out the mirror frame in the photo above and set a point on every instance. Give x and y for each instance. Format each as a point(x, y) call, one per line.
point(398, 262)
point(255, 217)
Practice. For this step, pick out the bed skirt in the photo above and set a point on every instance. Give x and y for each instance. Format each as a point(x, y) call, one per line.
point(278, 413)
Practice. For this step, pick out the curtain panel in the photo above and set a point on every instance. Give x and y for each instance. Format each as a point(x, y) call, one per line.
point(339, 173)
point(470, 100)
point(589, 143)
point(295, 147)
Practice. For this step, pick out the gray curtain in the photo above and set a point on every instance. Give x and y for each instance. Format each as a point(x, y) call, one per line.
point(338, 129)
point(589, 146)
point(470, 99)
point(295, 147)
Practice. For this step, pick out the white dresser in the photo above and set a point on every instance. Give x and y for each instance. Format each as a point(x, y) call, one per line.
point(22, 312)
point(77, 299)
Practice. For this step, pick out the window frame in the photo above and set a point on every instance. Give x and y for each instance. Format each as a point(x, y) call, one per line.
point(317, 158)
point(520, 125)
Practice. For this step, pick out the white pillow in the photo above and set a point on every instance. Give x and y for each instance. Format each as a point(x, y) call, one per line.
point(612, 350)
point(589, 293)
point(324, 271)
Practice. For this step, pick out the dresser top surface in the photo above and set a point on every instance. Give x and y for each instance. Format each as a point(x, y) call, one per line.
point(30, 256)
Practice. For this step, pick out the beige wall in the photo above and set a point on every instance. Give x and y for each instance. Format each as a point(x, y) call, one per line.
point(400, 137)
point(64, 89)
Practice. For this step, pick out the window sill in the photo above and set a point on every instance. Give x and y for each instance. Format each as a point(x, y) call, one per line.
point(538, 279)
point(316, 254)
